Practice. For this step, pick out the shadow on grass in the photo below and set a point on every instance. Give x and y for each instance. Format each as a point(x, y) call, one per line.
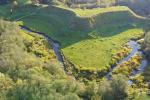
point(67, 28)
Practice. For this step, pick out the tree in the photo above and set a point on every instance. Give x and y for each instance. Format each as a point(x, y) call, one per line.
point(105, 90)
point(147, 44)
point(119, 87)
point(5, 85)
point(14, 4)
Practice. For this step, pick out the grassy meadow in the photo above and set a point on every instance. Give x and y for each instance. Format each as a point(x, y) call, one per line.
point(88, 38)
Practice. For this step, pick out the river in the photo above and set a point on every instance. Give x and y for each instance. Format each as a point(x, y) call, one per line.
point(135, 49)
point(55, 45)
point(132, 44)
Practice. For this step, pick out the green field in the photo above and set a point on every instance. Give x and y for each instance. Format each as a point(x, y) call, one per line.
point(88, 37)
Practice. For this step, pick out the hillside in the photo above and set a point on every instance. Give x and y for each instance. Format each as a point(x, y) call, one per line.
point(29, 71)
point(50, 52)
point(84, 35)
point(28, 66)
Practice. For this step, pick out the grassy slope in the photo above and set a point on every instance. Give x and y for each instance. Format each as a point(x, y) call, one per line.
point(95, 11)
point(88, 37)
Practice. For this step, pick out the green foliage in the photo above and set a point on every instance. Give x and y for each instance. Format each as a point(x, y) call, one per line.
point(11, 46)
point(39, 90)
point(43, 80)
point(120, 55)
point(88, 38)
point(6, 84)
point(146, 73)
point(146, 48)
point(84, 34)
point(116, 89)
point(147, 44)
point(127, 67)
point(105, 90)
point(119, 88)
point(25, 75)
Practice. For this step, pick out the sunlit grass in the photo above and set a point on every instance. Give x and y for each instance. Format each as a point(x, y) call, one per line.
point(97, 53)
point(87, 48)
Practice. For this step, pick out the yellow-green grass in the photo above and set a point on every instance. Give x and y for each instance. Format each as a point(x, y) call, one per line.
point(95, 11)
point(97, 53)
point(88, 37)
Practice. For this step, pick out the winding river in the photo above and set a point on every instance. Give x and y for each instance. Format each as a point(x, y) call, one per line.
point(132, 44)
point(134, 50)
point(55, 44)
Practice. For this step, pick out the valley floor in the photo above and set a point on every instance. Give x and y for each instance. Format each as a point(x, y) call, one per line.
point(90, 40)
point(86, 49)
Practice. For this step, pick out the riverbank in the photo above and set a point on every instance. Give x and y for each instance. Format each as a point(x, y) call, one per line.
point(85, 75)
point(55, 47)
point(139, 67)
